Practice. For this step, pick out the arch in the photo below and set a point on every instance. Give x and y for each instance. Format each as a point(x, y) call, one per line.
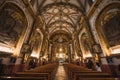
point(59, 33)
point(36, 38)
point(13, 24)
point(104, 27)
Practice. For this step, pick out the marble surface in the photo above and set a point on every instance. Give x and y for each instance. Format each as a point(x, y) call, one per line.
point(61, 75)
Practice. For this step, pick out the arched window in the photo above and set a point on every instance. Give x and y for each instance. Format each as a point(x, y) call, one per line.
point(92, 0)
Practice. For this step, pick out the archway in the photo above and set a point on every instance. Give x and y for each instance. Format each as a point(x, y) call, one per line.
point(107, 26)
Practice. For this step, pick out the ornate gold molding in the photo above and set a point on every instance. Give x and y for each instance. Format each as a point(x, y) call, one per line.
point(29, 8)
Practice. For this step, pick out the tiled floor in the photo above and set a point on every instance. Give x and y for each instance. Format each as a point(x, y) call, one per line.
point(61, 75)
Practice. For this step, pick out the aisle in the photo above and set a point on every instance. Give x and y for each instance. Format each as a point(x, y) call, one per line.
point(61, 75)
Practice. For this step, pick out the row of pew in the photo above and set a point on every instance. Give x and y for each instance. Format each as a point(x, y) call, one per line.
point(75, 72)
point(46, 72)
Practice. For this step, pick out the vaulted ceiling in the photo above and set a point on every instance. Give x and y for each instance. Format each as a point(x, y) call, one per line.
point(61, 16)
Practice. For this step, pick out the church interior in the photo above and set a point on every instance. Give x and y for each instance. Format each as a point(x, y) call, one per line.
point(59, 39)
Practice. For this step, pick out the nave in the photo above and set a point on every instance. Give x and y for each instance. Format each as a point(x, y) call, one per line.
point(37, 35)
point(60, 72)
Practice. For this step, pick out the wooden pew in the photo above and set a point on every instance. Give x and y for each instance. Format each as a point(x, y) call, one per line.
point(27, 74)
point(47, 71)
point(99, 79)
point(90, 75)
point(21, 78)
point(72, 69)
point(78, 73)
point(73, 73)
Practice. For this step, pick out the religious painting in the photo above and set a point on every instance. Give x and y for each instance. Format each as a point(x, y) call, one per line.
point(11, 24)
point(112, 31)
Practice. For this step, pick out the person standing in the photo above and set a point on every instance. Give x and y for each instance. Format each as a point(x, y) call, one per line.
point(90, 64)
point(98, 68)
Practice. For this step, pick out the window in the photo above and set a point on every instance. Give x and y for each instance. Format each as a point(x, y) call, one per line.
point(91, 2)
